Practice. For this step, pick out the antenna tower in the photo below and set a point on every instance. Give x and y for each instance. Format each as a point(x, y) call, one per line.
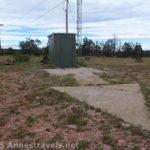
point(79, 22)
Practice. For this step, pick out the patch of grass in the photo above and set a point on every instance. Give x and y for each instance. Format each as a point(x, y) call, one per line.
point(9, 61)
point(3, 120)
point(139, 132)
point(21, 58)
point(83, 144)
point(146, 91)
point(78, 120)
point(77, 116)
point(146, 134)
point(49, 96)
point(2, 98)
point(58, 97)
point(105, 128)
point(81, 62)
point(44, 116)
point(136, 148)
point(108, 139)
point(61, 116)
point(56, 138)
point(98, 110)
point(31, 120)
point(124, 70)
point(115, 78)
point(67, 80)
point(13, 110)
point(112, 120)
point(51, 66)
point(135, 130)
point(20, 133)
point(92, 107)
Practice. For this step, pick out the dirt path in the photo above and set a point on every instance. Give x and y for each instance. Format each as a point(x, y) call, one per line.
point(125, 101)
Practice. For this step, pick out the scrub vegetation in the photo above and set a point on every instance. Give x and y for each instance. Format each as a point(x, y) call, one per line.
point(30, 110)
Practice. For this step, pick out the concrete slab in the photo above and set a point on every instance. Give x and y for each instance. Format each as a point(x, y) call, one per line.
point(84, 76)
point(124, 100)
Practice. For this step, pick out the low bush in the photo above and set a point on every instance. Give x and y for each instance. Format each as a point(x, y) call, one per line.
point(8, 61)
point(21, 58)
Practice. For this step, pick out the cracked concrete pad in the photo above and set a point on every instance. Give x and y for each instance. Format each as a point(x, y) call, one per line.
point(84, 76)
point(124, 100)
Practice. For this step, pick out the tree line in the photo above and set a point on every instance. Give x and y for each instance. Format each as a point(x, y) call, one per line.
point(29, 47)
point(110, 48)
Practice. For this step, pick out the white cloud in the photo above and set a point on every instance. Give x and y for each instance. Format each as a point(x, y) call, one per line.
point(101, 19)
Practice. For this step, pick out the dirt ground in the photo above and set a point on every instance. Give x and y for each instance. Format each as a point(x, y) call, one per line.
point(31, 111)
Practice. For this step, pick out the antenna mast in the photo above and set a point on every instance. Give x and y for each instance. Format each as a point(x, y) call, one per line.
point(1, 25)
point(67, 24)
point(79, 22)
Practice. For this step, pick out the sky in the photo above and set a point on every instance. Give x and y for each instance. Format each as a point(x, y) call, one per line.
point(128, 20)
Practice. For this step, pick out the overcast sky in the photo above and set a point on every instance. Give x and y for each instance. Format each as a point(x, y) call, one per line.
point(129, 20)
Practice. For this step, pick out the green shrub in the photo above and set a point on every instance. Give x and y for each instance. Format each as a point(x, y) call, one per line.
point(45, 59)
point(83, 144)
point(77, 117)
point(55, 138)
point(21, 58)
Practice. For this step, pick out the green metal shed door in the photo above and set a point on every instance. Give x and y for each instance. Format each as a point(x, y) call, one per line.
point(66, 50)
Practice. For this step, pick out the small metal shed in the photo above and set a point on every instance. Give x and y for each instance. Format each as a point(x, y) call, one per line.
point(62, 50)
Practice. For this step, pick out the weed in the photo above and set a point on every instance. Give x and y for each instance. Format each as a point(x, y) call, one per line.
point(69, 81)
point(55, 138)
point(92, 108)
point(97, 110)
point(51, 66)
point(8, 61)
point(44, 116)
point(3, 120)
point(136, 148)
point(146, 91)
point(114, 78)
point(81, 63)
point(105, 128)
point(78, 120)
point(61, 116)
point(21, 58)
point(13, 110)
point(77, 116)
point(20, 133)
point(83, 144)
point(111, 121)
point(135, 130)
point(108, 139)
point(31, 119)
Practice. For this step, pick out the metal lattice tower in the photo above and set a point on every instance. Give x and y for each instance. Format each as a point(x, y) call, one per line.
point(1, 25)
point(79, 22)
point(67, 23)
